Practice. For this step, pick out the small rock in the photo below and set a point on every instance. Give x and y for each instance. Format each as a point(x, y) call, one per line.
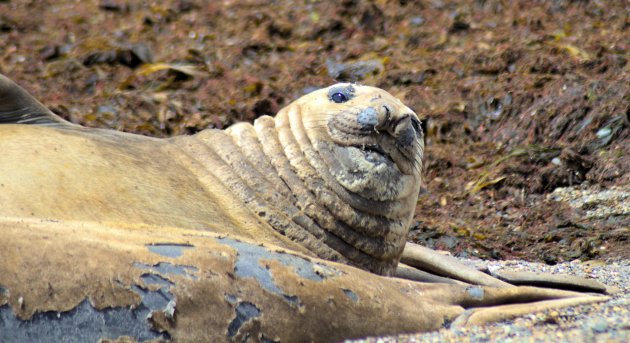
point(416, 21)
point(6, 24)
point(353, 71)
point(598, 325)
point(131, 56)
point(113, 5)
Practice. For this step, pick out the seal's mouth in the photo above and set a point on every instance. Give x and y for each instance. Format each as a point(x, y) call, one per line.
point(382, 134)
point(374, 153)
point(369, 170)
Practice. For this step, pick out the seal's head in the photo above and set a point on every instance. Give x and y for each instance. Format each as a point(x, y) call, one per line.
point(373, 141)
point(358, 151)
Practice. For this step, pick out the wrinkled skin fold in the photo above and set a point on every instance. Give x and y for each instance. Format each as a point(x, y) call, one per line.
point(254, 231)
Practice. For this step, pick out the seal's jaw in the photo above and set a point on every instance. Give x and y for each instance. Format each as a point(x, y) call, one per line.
point(370, 173)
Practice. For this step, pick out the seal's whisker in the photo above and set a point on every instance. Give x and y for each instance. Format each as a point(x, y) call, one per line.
point(416, 167)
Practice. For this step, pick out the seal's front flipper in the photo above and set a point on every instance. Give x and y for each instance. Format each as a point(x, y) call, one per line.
point(430, 261)
point(19, 107)
point(438, 266)
point(404, 271)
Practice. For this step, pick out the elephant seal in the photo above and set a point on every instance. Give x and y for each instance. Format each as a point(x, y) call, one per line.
point(336, 174)
point(215, 237)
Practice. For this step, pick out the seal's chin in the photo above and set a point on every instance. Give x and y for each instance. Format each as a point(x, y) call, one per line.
point(370, 172)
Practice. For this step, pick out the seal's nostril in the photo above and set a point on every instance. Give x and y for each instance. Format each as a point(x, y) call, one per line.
point(387, 113)
point(399, 121)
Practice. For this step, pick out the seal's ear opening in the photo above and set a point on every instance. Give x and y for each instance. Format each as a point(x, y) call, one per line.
point(19, 107)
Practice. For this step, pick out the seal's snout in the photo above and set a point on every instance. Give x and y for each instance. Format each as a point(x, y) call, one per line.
point(368, 118)
point(374, 118)
point(384, 119)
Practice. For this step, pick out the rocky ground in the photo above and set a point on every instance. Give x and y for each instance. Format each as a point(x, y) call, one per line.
point(526, 104)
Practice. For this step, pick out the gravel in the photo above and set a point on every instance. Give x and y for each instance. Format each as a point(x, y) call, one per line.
point(596, 203)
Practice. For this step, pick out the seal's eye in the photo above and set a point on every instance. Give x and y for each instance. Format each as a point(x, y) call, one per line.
point(339, 97)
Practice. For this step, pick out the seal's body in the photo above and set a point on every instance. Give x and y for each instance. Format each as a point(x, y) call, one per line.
point(336, 173)
point(211, 237)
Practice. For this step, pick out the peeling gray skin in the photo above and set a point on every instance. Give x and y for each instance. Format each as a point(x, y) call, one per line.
point(203, 309)
point(84, 323)
point(475, 292)
point(169, 268)
point(248, 264)
point(169, 249)
point(293, 300)
point(249, 256)
point(154, 279)
point(245, 311)
point(154, 300)
point(350, 294)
